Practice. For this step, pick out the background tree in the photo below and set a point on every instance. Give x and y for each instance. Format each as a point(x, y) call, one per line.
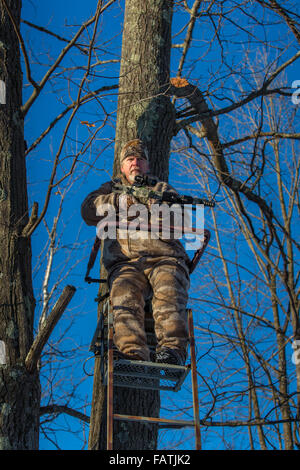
point(19, 390)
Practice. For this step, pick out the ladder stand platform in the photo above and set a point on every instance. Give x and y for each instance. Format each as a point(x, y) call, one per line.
point(142, 374)
point(117, 372)
point(148, 375)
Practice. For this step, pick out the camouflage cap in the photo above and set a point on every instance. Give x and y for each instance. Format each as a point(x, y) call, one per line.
point(134, 147)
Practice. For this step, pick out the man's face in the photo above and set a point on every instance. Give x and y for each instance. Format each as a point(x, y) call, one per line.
point(133, 166)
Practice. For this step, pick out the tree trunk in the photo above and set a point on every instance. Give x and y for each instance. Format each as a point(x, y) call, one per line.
point(19, 390)
point(144, 111)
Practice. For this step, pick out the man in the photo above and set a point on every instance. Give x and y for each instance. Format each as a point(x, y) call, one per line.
point(138, 268)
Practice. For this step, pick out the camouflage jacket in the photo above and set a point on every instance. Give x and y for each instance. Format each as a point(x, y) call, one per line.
point(121, 250)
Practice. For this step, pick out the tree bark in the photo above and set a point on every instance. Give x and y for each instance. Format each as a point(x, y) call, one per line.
point(144, 111)
point(19, 389)
point(144, 108)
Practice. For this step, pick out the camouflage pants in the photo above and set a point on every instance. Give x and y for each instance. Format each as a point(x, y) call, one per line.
point(134, 281)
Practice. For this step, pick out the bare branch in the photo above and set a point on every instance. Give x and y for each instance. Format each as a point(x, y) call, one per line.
point(254, 422)
point(83, 99)
point(182, 88)
point(256, 135)
point(273, 5)
point(58, 409)
point(263, 91)
point(32, 220)
point(57, 36)
point(193, 13)
point(25, 108)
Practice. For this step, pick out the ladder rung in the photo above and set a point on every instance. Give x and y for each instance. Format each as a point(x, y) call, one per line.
point(154, 420)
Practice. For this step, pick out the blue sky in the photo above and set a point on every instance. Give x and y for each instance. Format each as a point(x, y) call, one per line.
point(76, 238)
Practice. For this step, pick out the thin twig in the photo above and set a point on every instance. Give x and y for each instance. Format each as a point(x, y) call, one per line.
point(58, 409)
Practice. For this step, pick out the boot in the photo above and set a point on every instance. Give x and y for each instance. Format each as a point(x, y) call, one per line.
point(171, 356)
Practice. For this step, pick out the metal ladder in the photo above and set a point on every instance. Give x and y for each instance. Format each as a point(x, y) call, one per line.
point(142, 375)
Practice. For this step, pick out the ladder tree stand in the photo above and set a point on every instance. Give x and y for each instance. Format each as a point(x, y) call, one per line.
point(118, 372)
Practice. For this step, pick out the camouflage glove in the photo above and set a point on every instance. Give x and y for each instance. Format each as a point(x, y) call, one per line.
point(142, 195)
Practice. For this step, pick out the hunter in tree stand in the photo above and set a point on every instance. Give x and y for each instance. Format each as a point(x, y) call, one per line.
point(140, 268)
